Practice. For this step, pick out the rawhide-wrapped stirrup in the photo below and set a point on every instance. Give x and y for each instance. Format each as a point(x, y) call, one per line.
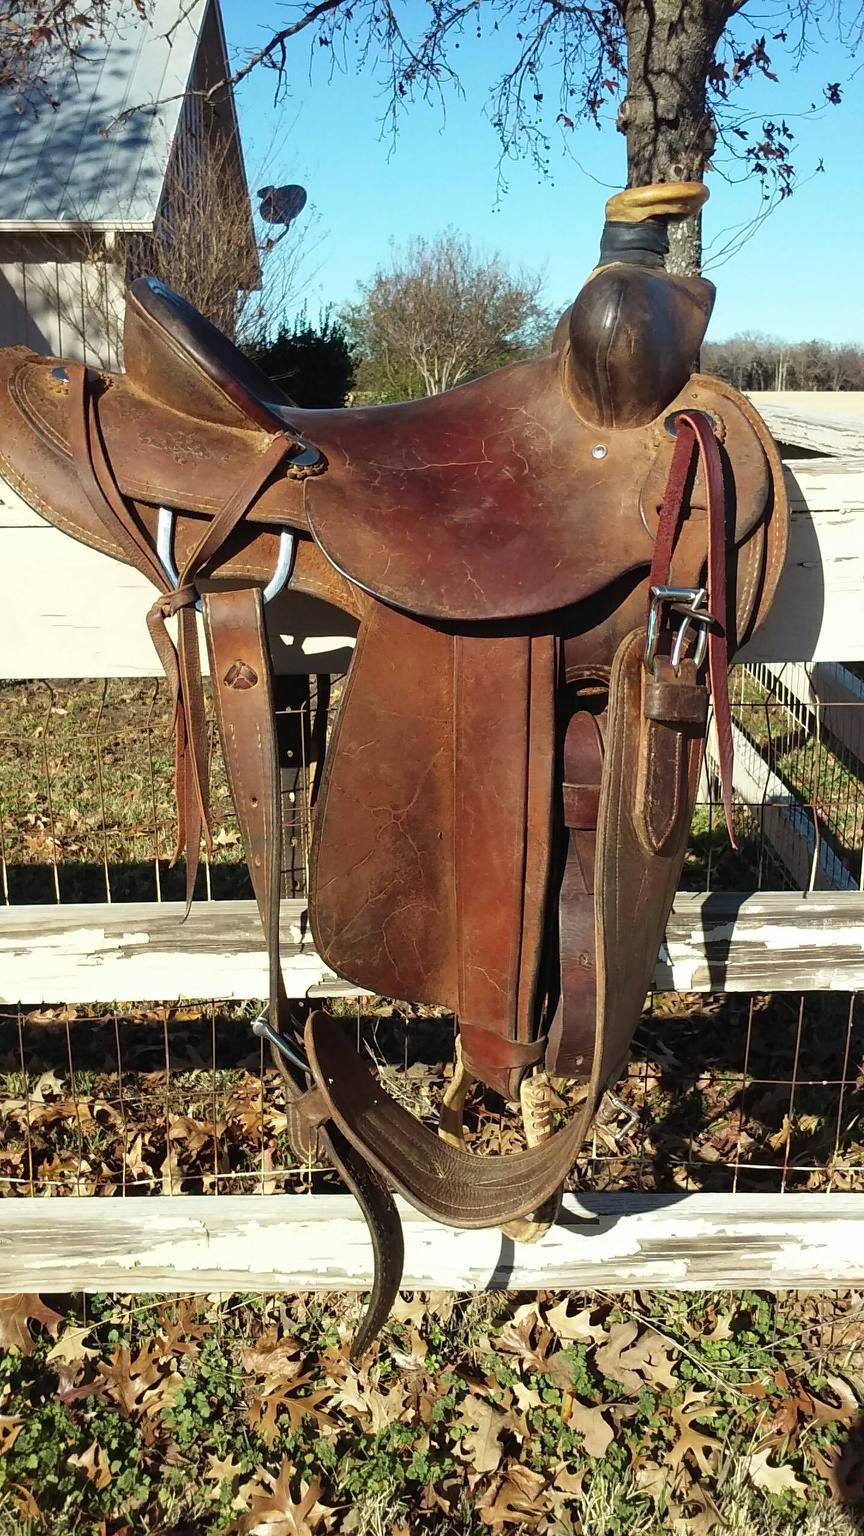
point(551, 568)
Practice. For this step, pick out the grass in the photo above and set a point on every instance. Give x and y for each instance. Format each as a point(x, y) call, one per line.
point(179, 1416)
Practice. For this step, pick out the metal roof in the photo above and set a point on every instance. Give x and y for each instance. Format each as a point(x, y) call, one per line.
point(59, 167)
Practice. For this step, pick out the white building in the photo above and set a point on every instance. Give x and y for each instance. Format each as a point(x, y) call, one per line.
point(78, 185)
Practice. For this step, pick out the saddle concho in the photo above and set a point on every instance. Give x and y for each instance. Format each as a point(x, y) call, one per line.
point(552, 567)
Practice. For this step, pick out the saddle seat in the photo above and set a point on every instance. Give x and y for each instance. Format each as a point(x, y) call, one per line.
point(494, 501)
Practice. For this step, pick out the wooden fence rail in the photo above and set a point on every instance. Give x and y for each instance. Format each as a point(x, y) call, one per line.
point(63, 619)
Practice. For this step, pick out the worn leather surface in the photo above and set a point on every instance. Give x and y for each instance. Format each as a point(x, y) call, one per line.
point(483, 503)
point(493, 833)
point(240, 671)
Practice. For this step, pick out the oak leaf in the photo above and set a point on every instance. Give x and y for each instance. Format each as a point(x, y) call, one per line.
point(16, 1312)
point(70, 1348)
point(633, 1360)
point(773, 1479)
point(842, 1467)
point(10, 1428)
point(222, 1471)
point(125, 1380)
point(514, 1503)
point(824, 1413)
point(273, 1510)
point(281, 1397)
point(361, 1397)
point(597, 1435)
point(517, 1337)
point(94, 1463)
point(578, 1327)
point(695, 1515)
point(482, 1442)
point(272, 1357)
point(703, 1447)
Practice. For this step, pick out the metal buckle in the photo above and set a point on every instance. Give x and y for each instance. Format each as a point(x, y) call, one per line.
point(164, 550)
point(688, 604)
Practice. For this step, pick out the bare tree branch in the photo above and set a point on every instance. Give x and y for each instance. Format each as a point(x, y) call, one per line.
point(440, 314)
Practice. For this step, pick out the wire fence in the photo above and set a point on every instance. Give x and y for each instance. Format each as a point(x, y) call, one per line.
point(721, 1093)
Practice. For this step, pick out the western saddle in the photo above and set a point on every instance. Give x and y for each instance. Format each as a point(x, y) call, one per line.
point(551, 568)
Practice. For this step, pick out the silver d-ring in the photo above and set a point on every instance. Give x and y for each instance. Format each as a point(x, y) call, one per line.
point(165, 553)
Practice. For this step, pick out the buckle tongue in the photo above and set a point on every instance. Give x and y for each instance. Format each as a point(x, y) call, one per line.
point(689, 604)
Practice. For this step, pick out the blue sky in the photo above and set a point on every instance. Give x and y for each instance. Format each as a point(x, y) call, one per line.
point(801, 274)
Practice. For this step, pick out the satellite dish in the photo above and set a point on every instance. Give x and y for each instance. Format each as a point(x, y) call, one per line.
point(281, 205)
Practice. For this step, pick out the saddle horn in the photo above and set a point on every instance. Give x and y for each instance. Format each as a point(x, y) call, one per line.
point(630, 339)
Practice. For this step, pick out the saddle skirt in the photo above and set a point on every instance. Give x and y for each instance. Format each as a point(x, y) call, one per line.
point(552, 567)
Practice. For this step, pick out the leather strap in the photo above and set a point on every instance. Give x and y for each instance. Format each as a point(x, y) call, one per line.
point(182, 664)
point(571, 1033)
point(695, 439)
point(243, 697)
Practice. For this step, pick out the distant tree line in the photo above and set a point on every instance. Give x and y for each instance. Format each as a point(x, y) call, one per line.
point(313, 363)
point(753, 361)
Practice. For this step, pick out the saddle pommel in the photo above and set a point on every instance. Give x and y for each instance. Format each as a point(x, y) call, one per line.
point(630, 341)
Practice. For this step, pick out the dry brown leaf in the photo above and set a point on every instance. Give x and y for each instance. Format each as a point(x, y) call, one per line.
point(410, 1309)
point(578, 1326)
point(528, 1397)
point(280, 1397)
point(360, 1396)
point(412, 1358)
point(721, 1330)
point(125, 1380)
point(484, 1424)
point(597, 1436)
point(824, 1413)
point(562, 1497)
point(273, 1510)
point(273, 1357)
point(773, 1479)
point(514, 1503)
point(517, 1337)
point(47, 1083)
point(653, 1480)
point(10, 1429)
point(842, 1467)
point(222, 1471)
point(15, 1314)
point(440, 1305)
point(696, 1515)
point(632, 1360)
point(26, 1504)
point(704, 1448)
point(171, 1173)
point(782, 1137)
point(94, 1464)
point(70, 1348)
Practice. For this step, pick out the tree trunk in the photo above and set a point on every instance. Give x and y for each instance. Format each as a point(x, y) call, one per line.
point(670, 133)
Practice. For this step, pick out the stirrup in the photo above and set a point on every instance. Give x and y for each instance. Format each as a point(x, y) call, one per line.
point(537, 1100)
point(164, 549)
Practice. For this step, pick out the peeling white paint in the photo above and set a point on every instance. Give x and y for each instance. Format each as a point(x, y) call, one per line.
point(803, 935)
point(197, 1243)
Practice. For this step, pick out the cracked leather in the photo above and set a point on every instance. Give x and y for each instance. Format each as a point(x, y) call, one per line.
point(507, 791)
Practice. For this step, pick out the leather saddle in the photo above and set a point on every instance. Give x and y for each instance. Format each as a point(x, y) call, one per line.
point(552, 567)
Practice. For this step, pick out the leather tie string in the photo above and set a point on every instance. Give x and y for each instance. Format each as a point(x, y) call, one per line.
point(181, 662)
point(695, 436)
